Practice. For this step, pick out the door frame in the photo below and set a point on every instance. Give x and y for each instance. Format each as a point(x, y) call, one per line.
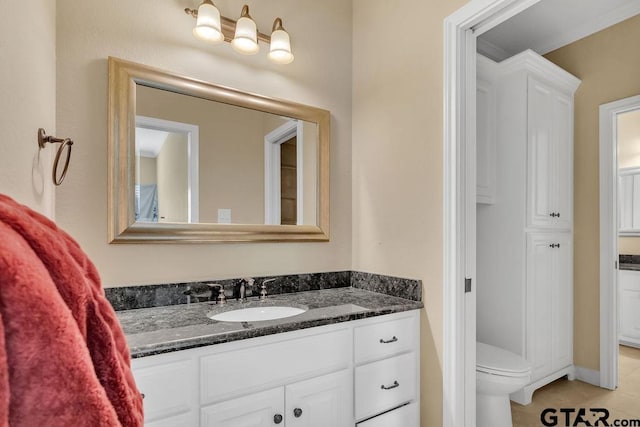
point(193, 157)
point(609, 237)
point(272, 142)
point(461, 30)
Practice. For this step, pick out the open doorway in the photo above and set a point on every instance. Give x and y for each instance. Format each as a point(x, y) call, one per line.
point(461, 32)
point(619, 140)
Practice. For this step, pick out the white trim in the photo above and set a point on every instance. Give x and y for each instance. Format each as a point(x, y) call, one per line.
point(634, 170)
point(193, 157)
point(492, 51)
point(588, 376)
point(272, 142)
point(460, 32)
point(529, 60)
point(628, 10)
point(609, 238)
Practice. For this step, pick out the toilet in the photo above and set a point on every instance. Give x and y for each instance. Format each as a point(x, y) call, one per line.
point(498, 373)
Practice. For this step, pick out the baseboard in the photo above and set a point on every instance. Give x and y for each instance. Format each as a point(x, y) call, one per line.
point(588, 376)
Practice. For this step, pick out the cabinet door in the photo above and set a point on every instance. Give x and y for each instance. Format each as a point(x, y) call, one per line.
point(550, 157)
point(629, 306)
point(169, 383)
point(549, 337)
point(321, 402)
point(485, 142)
point(539, 154)
point(562, 157)
point(264, 409)
point(562, 302)
point(539, 311)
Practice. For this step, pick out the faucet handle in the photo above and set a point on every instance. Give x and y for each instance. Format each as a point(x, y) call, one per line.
point(263, 289)
point(221, 299)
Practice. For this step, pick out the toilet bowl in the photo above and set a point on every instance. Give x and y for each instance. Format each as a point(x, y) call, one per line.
point(498, 373)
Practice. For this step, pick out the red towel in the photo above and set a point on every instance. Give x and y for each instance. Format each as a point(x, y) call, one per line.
point(64, 360)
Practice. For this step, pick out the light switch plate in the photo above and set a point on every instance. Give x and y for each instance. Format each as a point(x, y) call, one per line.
point(224, 216)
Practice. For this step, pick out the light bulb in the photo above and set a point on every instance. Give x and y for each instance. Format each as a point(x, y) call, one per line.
point(280, 51)
point(208, 23)
point(245, 40)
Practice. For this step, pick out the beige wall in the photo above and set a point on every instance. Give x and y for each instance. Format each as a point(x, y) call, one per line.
point(397, 159)
point(231, 151)
point(28, 101)
point(159, 34)
point(146, 170)
point(628, 157)
point(608, 64)
point(629, 139)
point(172, 176)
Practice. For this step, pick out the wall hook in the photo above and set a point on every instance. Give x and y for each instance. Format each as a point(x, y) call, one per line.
point(43, 138)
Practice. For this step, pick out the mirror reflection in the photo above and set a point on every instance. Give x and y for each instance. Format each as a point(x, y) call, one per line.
point(202, 161)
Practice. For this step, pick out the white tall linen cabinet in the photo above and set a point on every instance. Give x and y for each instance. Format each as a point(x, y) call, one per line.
point(525, 225)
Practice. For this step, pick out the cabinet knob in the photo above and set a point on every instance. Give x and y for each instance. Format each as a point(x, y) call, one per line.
point(394, 339)
point(277, 418)
point(389, 387)
point(297, 412)
point(555, 214)
point(554, 245)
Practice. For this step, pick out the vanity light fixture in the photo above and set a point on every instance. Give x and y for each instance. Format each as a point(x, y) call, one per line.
point(208, 23)
point(242, 34)
point(245, 40)
point(280, 51)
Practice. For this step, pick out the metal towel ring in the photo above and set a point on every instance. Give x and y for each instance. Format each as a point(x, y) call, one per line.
point(43, 138)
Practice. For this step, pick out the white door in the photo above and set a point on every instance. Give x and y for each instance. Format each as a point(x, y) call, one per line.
point(321, 402)
point(562, 178)
point(562, 302)
point(539, 153)
point(264, 409)
point(539, 311)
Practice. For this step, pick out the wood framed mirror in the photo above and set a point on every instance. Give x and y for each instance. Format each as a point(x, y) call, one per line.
point(195, 162)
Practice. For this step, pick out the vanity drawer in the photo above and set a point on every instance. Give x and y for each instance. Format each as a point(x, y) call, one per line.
point(384, 339)
point(252, 369)
point(405, 416)
point(383, 385)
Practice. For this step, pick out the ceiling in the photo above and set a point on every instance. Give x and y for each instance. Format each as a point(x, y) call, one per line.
point(551, 24)
point(149, 142)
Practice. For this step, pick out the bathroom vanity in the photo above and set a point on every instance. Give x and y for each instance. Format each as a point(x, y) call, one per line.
point(351, 359)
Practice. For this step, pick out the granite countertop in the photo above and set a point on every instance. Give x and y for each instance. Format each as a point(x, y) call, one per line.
point(165, 329)
point(629, 262)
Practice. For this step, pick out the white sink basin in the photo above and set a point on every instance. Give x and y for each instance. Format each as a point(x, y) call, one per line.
point(256, 314)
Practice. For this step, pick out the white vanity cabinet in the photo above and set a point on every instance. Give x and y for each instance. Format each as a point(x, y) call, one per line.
point(525, 238)
point(629, 328)
point(318, 402)
point(303, 378)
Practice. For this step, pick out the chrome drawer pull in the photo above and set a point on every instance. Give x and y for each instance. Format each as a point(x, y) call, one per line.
point(394, 339)
point(395, 384)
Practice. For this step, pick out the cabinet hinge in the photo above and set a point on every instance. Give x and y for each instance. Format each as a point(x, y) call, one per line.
point(467, 285)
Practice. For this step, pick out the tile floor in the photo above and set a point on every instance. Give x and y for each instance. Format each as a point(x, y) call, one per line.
point(623, 403)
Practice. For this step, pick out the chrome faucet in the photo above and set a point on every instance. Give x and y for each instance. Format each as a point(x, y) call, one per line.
point(240, 291)
point(263, 289)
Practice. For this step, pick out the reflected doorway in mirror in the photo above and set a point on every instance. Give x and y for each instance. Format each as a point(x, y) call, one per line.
point(167, 180)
